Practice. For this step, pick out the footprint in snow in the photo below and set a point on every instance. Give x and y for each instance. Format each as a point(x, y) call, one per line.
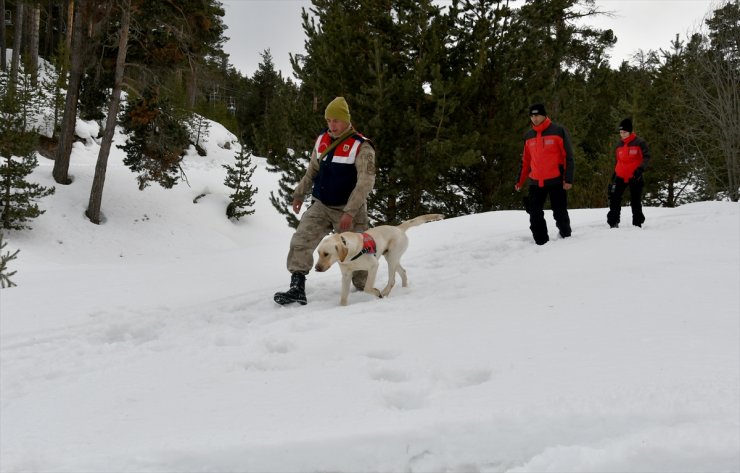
point(389, 375)
point(474, 377)
point(404, 399)
point(280, 347)
point(385, 355)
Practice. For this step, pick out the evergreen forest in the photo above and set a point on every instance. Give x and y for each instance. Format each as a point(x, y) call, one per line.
point(442, 91)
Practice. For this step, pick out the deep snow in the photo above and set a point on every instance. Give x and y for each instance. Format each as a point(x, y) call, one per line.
point(151, 343)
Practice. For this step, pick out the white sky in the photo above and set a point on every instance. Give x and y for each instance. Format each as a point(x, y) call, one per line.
point(257, 25)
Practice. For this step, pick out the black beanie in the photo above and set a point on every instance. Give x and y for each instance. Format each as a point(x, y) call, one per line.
point(537, 109)
point(626, 125)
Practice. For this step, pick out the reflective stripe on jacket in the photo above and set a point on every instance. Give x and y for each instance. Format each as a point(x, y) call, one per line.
point(337, 174)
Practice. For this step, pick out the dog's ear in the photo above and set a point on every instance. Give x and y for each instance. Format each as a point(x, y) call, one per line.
point(342, 251)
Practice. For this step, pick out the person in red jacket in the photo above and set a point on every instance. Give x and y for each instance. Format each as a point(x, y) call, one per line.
point(547, 165)
point(632, 157)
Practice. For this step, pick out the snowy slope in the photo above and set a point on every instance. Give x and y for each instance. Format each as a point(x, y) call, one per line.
point(151, 343)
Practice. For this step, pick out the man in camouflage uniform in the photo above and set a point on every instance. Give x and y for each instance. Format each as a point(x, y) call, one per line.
point(340, 176)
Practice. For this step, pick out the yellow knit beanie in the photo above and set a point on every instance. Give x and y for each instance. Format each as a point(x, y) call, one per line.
point(338, 109)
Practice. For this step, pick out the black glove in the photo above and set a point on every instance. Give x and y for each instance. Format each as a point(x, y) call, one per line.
point(637, 175)
point(612, 185)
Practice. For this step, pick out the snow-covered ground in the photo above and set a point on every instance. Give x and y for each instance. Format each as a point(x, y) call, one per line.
point(151, 343)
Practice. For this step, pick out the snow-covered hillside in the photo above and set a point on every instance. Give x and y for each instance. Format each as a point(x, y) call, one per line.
point(151, 343)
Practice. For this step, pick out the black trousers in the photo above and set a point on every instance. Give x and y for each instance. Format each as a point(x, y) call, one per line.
point(615, 200)
point(559, 205)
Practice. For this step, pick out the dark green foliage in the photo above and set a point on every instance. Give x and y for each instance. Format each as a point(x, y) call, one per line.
point(292, 167)
point(94, 96)
point(292, 125)
point(169, 34)
point(5, 275)
point(156, 143)
point(220, 113)
point(238, 178)
point(287, 122)
point(18, 199)
point(506, 59)
point(389, 69)
point(443, 94)
point(17, 159)
point(263, 87)
point(672, 176)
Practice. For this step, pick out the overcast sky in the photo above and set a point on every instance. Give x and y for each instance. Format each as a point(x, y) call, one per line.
point(257, 25)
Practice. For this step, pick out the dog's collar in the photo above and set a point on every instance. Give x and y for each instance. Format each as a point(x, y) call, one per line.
point(368, 246)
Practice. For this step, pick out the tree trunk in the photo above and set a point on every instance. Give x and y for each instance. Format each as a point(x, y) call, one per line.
point(64, 149)
point(16, 59)
point(2, 36)
point(70, 21)
point(32, 59)
point(8, 185)
point(191, 88)
point(96, 193)
point(47, 49)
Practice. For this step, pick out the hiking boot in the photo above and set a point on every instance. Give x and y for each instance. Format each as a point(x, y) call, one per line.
point(613, 225)
point(296, 293)
point(359, 278)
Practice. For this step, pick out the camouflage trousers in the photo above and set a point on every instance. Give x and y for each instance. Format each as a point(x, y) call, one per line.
point(317, 222)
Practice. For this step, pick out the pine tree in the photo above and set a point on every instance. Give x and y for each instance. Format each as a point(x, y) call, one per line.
point(504, 59)
point(390, 69)
point(284, 118)
point(17, 161)
point(157, 141)
point(238, 178)
point(292, 124)
point(672, 178)
point(198, 127)
point(292, 170)
point(262, 90)
point(4, 259)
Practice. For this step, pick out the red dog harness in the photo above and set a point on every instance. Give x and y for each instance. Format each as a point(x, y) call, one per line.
point(368, 246)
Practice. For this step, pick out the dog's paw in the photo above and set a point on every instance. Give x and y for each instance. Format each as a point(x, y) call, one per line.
point(374, 292)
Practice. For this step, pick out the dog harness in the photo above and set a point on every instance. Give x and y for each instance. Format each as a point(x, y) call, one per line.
point(368, 246)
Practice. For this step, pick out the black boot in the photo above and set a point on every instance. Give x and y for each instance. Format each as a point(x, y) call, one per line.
point(296, 293)
point(359, 278)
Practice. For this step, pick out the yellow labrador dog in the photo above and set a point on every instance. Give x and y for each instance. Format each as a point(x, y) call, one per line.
point(362, 251)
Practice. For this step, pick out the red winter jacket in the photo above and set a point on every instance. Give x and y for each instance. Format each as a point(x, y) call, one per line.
point(547, 156)
point(631, 153)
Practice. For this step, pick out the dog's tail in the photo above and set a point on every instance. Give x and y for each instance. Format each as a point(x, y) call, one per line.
point(420, 220)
